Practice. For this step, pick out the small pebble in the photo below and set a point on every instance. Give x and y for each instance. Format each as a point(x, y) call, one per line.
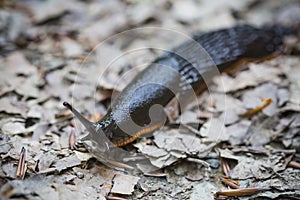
point(79, 175)
point(214, 163)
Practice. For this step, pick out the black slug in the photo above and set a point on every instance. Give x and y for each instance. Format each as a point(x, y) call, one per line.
point(128, 117)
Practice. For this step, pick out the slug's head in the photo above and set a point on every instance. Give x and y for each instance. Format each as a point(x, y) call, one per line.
point(96, 141)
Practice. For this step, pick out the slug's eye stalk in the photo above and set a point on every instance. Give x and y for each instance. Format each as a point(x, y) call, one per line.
point(67, 105)
point(99, 141)
point(90, 126)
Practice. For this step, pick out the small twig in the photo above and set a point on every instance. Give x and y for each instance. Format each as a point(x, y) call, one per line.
point(267, 102)
point(225, 166)
point(227, 181)
point(239, 192)
point(32, 167)
point(231, 183)
point(22, 167)
point(198, 161)
point(294, 164)
point(201, 162)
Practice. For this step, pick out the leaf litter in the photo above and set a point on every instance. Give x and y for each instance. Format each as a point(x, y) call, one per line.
point(41, 62)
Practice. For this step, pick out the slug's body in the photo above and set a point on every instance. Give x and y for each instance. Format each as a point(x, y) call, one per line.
point(128, 117)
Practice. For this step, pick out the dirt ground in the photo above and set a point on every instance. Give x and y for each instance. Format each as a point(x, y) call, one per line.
point(85, 52)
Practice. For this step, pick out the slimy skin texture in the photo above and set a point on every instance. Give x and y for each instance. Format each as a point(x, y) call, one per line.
point(228, 48)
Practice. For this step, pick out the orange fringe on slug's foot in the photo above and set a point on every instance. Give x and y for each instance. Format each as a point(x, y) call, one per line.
point(138, 134)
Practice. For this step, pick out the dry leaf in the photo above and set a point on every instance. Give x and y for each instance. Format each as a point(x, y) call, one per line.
point(124, 184)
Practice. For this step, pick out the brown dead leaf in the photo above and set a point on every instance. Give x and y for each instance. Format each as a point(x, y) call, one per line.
point(46, 161)
point(226, 153)
point(261, 167)
point(9, 170)
point(103, 28)
point(203, 190)
point(67, 162)
point(35, 112)
point(249, 167)
point(14, 127)
point(71, 48)
point(283, 96)
point(43, 11)
point(153, 151)
point(257, 74)
point(186, 11)
point(5, 145)
point(11, 106)
point(283, 190)
point(292, 72)
point(214, 130)
point(124, 184)
point(163, 161)
point(38, 184)
point(140, 12)
point(150, 170)
point(237, 133)
point(19, 75)
point(231, 107)
point(259, 136)
point(40, 130)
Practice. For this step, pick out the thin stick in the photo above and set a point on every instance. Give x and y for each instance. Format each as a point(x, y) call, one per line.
point(239, 192)
point(267, 102)
point(22, 167)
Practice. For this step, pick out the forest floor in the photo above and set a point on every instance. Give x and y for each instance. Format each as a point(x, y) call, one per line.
point(84, 51)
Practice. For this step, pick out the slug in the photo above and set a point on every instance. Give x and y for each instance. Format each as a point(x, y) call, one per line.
point(128, 116)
